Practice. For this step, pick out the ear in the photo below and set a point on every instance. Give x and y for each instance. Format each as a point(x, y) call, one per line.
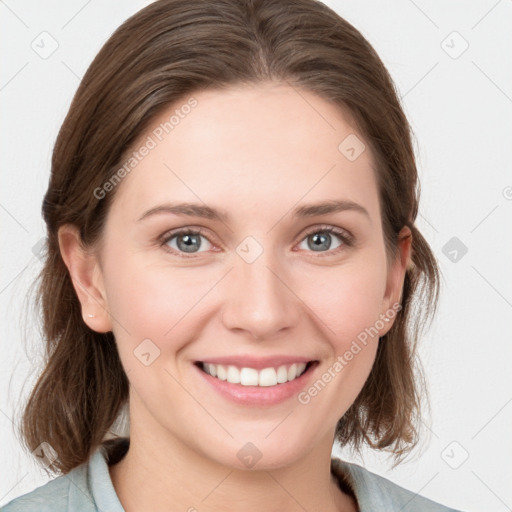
point(86, 275)
point(396, 277)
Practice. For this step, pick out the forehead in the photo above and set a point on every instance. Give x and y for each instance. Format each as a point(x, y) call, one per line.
point(265, 144)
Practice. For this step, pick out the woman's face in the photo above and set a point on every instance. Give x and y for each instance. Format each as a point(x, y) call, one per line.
point(263, 286)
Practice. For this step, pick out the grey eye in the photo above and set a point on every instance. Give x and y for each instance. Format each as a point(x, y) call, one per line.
point(187, 241)
point(321, 241)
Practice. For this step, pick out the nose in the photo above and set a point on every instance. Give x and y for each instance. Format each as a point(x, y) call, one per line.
point(260, 299)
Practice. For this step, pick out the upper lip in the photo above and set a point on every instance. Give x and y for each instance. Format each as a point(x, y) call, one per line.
point(258, 363)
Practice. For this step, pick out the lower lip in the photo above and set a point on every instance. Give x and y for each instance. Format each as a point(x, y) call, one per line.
point(258, 395)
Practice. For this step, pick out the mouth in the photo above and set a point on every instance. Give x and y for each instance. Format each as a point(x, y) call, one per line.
point(271, 376)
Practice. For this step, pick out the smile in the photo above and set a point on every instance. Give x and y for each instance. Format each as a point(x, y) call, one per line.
point(271, 376)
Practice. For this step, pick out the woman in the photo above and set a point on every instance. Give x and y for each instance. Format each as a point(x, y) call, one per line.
point(232, 255)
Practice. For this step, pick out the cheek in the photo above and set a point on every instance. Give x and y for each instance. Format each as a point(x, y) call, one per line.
point(148, 301)
point(347, 300)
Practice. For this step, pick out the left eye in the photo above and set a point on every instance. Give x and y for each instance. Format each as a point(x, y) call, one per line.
point(319, 239)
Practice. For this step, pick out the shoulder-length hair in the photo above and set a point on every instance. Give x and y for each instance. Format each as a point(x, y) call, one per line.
point(159, 56)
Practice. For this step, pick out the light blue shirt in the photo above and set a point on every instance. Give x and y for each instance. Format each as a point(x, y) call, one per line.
point(88, 488)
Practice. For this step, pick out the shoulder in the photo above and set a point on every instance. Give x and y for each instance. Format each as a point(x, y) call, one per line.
point(87, 488)
point(62, 494)
point(374, 492)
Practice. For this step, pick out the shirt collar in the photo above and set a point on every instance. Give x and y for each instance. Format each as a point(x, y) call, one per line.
point(102, 488)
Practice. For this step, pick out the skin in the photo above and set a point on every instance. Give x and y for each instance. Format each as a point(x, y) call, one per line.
point(257, 152)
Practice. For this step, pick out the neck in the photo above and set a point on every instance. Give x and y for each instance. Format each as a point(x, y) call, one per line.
point(161, 473)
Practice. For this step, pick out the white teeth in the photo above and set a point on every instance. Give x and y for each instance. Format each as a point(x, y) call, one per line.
point(268, 377)
point(248, 377)
point(233, 374)
point(282, 374)
point(292, 372)
point(252, 377)
point(221, 371)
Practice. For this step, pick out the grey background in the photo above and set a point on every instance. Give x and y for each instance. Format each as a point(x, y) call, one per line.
point(452, 65)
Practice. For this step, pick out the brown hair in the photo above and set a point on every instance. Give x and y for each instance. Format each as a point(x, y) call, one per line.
point(162, 54)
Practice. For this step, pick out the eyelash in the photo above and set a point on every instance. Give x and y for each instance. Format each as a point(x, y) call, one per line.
point(345, 236)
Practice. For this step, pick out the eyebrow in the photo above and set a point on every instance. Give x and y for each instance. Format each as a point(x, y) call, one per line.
point(207, 212)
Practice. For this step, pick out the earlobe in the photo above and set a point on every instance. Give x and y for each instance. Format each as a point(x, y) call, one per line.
point(86, 276)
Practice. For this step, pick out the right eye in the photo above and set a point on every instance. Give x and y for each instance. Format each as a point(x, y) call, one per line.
point(184, 241)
